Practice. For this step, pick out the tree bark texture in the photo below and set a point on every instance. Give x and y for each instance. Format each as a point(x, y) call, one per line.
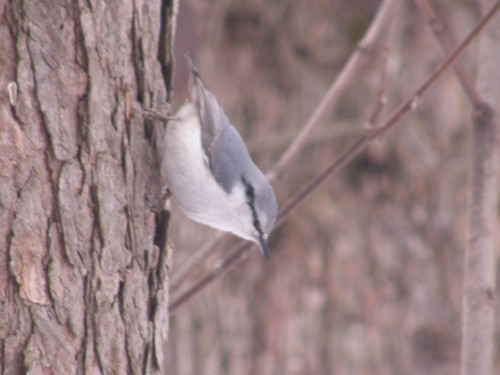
point(83, 262)
point(480, 259)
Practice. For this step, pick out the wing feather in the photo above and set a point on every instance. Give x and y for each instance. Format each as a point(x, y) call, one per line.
point(226, 151)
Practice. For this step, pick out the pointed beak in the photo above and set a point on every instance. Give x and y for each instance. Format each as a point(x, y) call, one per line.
point(263, 247)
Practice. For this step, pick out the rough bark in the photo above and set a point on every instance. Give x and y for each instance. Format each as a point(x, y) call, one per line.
point(83, 263)
point(480, 260)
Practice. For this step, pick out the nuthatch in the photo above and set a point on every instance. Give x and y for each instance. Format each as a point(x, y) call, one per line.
point(210, 173)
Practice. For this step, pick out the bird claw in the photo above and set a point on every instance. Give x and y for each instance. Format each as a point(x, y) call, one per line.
point(152, 114)
point(160, 200)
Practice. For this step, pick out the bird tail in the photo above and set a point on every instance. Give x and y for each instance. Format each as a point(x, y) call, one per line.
point(195, 82)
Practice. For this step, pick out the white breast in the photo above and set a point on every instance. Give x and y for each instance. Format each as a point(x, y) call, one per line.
point(191, 182)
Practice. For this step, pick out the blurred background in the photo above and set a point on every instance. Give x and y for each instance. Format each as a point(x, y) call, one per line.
point(365, 278)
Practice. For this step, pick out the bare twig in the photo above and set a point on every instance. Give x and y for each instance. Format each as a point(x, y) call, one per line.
point(356, 60)
point(415, 97)
point(221, 266)
point(181, 274)
point(337, 87)
point(382, 94)
point(363, 140)
point(438, 30)
point(353, 150)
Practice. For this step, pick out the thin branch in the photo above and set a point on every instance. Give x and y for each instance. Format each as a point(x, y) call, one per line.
point(221, 266)
point(415, 97)
point(447, 47)
point(382, 93)
point(337, 87)
point(353, 150)
point(185, 269)
point(342, 81)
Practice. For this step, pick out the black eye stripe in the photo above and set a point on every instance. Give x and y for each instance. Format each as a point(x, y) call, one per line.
point(250, 194)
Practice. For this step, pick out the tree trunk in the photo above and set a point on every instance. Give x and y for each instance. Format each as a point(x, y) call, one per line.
point(478, 320)
point(83, 262)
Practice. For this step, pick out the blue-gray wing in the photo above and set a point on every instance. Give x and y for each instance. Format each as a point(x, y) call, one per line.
point(229, 158)
point(226, 152)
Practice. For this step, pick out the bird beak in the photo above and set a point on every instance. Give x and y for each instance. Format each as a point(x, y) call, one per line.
point(263, 247)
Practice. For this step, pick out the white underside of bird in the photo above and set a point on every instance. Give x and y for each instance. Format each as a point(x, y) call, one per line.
point(188, 185)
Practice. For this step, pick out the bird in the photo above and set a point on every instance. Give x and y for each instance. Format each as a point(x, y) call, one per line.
point(210, 173)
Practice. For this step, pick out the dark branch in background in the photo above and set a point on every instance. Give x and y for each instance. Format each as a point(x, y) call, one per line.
point(348, 73)
point(353, 150)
